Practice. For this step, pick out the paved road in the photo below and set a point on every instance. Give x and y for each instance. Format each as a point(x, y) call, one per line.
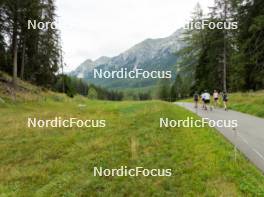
point(248, 137)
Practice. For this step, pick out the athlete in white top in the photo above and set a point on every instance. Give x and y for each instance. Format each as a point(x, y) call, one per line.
point(203, 99)
point(206, 98)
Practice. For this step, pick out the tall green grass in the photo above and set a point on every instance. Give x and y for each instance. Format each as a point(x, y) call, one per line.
point(59, 162)
point(250, 102)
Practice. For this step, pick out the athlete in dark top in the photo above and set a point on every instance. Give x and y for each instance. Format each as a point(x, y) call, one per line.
point(196, 99)
point(225, 99)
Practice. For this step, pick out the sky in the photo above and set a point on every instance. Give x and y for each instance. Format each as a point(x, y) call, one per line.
point(94, 28)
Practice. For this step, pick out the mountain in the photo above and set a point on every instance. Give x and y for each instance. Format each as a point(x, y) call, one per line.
point(151, 54)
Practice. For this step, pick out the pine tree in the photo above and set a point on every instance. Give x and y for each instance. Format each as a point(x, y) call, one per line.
point(251, 44)
point(12, 9)
point(177, 88)
point(34, 52)
point(2, 42)
point(190, 68)
point(223, 12)
point(163, 90)
point(193, 40)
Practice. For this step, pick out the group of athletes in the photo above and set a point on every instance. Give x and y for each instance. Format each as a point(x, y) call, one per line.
point(206, 99)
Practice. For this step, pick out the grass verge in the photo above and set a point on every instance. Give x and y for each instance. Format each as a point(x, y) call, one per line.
point(248, 102)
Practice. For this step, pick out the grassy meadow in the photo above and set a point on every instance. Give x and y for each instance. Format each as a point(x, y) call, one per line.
point(59, 162)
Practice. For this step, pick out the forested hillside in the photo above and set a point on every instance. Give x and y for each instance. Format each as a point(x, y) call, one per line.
point(31, 54)
point(225, 59)
point(36, 55)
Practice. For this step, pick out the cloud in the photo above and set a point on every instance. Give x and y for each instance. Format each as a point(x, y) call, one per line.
point(94, 28)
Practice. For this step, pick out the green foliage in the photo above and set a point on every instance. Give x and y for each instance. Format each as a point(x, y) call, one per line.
point(180, 88)
point(248, 102)
point(163, 90)
point(38, 54)
point(209, 52)
point(251, 42)
point(144, 96)
point(92, 93)
point(71, 86)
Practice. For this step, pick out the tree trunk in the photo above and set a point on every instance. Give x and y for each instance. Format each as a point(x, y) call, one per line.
point(224, 58)
point(14, 42)
point(15, 56)
point(63, 80)
point(224, 67)
point(23, 60)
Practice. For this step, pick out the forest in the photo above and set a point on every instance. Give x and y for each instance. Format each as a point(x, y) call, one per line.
point(36, 54)
point(229, 60)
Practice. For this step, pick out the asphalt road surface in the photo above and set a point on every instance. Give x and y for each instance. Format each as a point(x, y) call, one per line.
point(248, 137)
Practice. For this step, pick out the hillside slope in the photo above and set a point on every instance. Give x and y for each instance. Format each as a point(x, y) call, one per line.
point(24, 91)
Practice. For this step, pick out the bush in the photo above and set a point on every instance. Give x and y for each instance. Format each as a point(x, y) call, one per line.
point(92, 93)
